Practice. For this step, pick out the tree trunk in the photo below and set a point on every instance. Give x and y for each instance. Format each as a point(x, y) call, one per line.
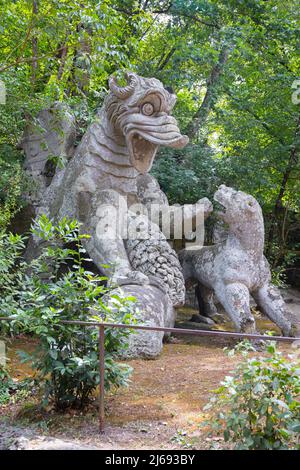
point(201, 115)
point(292, 162)
point(63, 57)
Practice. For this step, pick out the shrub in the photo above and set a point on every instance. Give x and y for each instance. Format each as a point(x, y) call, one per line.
point(66, 359)
point(11, 248)
point(13, 182)
point(6, 385)
point(258, 407)
point(12, 275)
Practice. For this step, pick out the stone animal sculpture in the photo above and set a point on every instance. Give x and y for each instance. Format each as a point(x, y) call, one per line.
point(101, 182)
point(237, 268)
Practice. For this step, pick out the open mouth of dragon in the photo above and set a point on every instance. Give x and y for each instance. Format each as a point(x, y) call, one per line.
point(143, 141)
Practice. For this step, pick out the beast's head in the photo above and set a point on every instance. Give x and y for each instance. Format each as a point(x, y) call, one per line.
point(240, 208)
point(141, 111)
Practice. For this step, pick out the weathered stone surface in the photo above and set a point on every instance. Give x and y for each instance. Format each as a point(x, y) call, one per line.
point(153, 256)
point(157, 310)
point(46, 140)
point(190, 325)
point(16, 438)
point(236, 268)
point(100, 184)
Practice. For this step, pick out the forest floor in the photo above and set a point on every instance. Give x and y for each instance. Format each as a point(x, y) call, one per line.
point(161, 409)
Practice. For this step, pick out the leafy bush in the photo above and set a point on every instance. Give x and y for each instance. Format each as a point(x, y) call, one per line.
point(66, 359)
point(258, 407)
point(183, 176)
point(11, 248)
point(11, 390)
point(279, 277)
point(13, 182)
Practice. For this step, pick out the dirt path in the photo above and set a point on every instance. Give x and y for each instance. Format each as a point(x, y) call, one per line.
point(161, 409)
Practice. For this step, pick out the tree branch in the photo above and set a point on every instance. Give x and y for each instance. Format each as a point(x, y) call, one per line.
point(292, 162)
point(201, 114)
point(28, 60)
point(164, 60)
point(264, 124)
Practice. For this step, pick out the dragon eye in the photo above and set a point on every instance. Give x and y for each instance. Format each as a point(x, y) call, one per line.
point(148, 109)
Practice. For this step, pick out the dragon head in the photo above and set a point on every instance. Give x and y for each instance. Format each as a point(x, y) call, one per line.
point(141, 111)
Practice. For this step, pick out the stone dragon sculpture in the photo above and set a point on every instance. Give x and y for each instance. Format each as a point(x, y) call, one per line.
point(112, 163)
point(236, 268)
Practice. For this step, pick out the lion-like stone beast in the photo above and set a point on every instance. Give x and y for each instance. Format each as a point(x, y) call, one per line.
point(236, 268)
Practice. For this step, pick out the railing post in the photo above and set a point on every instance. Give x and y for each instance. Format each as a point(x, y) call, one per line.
point(101, 384)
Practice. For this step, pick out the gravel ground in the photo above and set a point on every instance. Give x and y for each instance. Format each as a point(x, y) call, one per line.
point(161, 409)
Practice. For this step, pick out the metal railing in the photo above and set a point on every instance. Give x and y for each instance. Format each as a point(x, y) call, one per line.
point(181, 331)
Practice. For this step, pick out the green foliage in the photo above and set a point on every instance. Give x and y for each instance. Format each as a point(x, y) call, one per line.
point(257, 407)
point(12, 391)
point(182, 439)
point(12, 273)
point(246, 125)
point(279, 278)
point(12, 182)
point(40, 295)
point(6, 385)
point(181, 175)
